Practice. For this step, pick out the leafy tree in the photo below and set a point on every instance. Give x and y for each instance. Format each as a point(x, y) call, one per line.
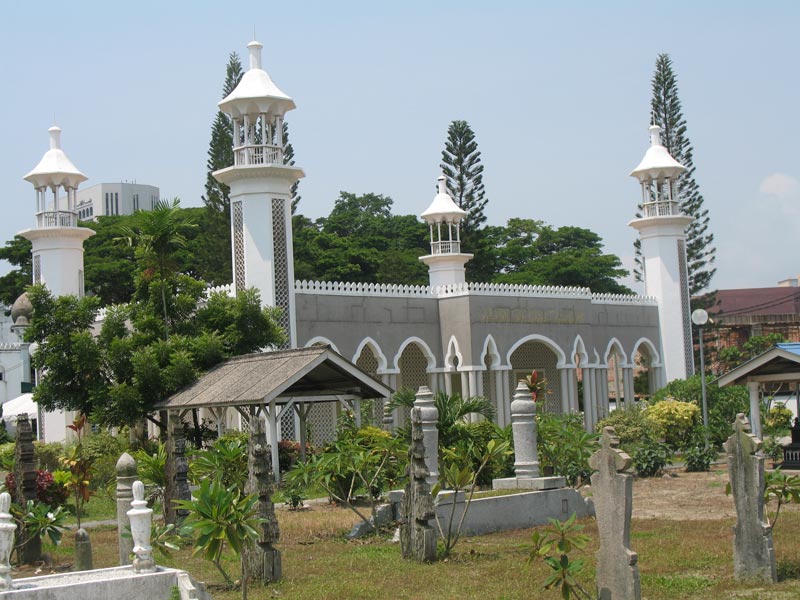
point(118, 375)
point(109, 266)
point(531, 252)
point(666, 112)
point(17, 251)
point(461, 164)
point(157, 234)
point(288, 159)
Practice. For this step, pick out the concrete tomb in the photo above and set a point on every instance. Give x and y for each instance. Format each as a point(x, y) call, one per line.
point(612, 486)
point(753, 553)
point(126, 475)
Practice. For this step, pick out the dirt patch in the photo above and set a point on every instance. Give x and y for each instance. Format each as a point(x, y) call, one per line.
point(686, 497)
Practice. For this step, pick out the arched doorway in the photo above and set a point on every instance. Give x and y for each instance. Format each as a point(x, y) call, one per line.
point(538, 355)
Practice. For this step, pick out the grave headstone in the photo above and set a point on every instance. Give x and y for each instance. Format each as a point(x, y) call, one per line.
point(612, 491)
point(7, 528)
point(126, 475)
point(417, 535)
point(29, 548)
point(176, 469)
point(141, 518)
point(83, 551)
point(264, 560)
point(753, 553)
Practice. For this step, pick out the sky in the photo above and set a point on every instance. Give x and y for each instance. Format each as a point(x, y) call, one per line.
point(558, 94)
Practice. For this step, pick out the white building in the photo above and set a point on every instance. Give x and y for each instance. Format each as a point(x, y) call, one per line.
point(121, 198)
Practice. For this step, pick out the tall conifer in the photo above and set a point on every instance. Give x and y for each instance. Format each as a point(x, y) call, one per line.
point(215, 262)
point(665, 111)
point(461, 164)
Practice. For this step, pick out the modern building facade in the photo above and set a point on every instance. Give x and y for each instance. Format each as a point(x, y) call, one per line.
point(121, 198)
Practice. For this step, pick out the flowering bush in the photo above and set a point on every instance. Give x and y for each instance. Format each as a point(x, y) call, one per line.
point(48, 491)
point(676, 422)
point(536, 384)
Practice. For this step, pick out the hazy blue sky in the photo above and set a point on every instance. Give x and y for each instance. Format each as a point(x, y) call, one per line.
point(558, 94)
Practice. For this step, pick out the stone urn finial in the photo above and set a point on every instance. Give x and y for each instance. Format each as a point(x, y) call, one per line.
point(141, 519)
point(7, 528)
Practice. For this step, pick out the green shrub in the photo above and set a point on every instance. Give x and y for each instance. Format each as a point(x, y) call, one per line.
point(48, 456)
point(723, 403)
point(631, 424)
point(565, 445)
point(479, 435)
point(650, 458)
point(104, 450)
point(772, 448)
point(225, 461)
point(675, 422)
point(699, 458)
point(778, 418)
point(7, 456)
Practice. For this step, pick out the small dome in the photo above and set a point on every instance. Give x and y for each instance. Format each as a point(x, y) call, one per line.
point(55, 168)
point(256, 92)
point(657, 162)
point(21, 311)
point(443, 209)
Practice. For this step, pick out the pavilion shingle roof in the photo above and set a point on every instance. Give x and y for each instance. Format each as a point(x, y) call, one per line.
point(312, 374)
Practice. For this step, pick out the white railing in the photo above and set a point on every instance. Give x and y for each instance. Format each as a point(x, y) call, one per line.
point(60, 218)
point(258, 155)
point(446, 247)
point(506, 289)
point(226, 289)
point(661, 209)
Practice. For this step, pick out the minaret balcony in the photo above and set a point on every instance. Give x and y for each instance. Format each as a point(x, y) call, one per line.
point(260, 154)
point(666, 208)
point(446, 247)
point(56, 218)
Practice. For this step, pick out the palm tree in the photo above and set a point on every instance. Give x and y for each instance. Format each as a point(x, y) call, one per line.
point(453, 410)
point(157, 235)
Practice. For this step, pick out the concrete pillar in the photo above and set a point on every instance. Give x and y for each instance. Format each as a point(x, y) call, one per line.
point(755, 408)
point(523, 425)
point(465, 389)
point(429, 416)
point(564, 387)
point(506, 395)
point(499, 399)
point(473, 384)
point(588, 398)
point(573, 389)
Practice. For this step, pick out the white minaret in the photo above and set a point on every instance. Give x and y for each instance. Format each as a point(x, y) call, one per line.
point(261, 219)
point(57, 240)
point(445, 262)
point(662, 229)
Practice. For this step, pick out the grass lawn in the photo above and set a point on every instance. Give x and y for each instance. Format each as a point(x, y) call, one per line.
point(677, 559)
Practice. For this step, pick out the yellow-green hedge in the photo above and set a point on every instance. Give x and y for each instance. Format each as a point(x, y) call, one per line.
point(674, 421)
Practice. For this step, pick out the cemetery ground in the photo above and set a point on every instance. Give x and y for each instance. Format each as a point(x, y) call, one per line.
point(681, 530)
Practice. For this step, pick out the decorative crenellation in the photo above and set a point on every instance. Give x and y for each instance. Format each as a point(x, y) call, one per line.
point(341, 288)
point(624, 299)
point(10, 346)
point(506, 289)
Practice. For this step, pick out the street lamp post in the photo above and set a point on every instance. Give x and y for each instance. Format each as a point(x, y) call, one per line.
point(700, 318)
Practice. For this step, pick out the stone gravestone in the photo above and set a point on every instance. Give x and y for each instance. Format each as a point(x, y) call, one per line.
point(83, 551)
point(29, 549)
point(417, 536)
point(176, 470)
point(429, 419)
point(612, 487)
point(753, 553)
point(126, 475)
point(263, 559)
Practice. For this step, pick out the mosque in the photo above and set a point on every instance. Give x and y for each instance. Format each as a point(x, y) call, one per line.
point(475, 339)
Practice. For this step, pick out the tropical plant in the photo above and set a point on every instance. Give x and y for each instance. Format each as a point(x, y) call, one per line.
point(80, 469)
point(675, 422)
point(566, 446)
point(785, 489)
point(38, 521)
point(453, 411)
point(778, 418)
point(458, 475)
point(366, 459)
point(219, 516)
point(699, 457)
point(151, 469)
point(225, 461)
point(554, 548)
point(631, 425)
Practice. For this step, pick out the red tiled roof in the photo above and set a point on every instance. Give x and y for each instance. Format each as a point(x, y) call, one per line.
point(757, 301)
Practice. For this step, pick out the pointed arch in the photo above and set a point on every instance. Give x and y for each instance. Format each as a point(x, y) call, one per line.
point(614, 345)
point(426, 351)
point(452, 350)
point(579, 348)
point(655, 358)
point(383, 364)
point(490, 349)
point(317, 340)
point(535, 337)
